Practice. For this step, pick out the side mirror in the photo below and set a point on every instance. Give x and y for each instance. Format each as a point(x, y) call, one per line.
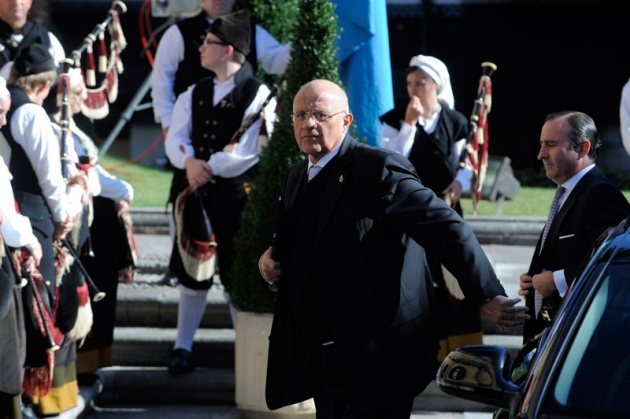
point(480, 373)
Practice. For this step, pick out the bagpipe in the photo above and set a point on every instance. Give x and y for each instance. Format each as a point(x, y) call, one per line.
point(195, 236)
point(73, 314)
point(476, 149)
point(96, 106)
point(75, 286)
point(43, 337)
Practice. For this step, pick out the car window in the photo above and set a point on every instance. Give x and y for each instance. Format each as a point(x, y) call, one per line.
point(595, 377)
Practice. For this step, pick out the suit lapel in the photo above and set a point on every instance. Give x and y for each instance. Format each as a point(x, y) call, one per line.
point(571, 200)
point(337, 181)
point(294, 182)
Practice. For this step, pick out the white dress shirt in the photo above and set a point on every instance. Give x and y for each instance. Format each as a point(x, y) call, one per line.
point(16, 228)
point(32, 129)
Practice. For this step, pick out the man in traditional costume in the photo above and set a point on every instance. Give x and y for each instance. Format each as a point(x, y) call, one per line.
point(205, 118)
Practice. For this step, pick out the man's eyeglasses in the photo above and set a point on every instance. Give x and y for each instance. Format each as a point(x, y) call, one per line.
point(212, 41)
point(318, 114)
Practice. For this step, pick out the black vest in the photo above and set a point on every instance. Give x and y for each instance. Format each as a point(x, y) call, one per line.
point(190, 71)
point(26, 181)
point(33, 34)
point(213, 126)
point(307, 293)
point(431, 153)
point(28, 193)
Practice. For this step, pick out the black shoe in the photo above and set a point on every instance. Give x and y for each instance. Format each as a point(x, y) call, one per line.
point(181, 362)
point(169, 279)
point(28, 413)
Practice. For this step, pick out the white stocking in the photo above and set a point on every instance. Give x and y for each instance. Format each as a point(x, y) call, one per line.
point(192, 305)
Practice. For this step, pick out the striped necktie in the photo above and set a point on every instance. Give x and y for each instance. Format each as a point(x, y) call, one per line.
point(553, 210)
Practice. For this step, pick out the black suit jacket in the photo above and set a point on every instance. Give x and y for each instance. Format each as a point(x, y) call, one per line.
point(368, 259)
point(594, 205)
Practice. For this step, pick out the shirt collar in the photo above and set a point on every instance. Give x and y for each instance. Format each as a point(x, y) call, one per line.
point(324, 160)
point(570, 184)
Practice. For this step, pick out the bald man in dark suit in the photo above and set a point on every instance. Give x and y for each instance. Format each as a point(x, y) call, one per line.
point(354, 325)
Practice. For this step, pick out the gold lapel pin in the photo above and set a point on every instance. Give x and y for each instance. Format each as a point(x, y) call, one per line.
point(341, 179)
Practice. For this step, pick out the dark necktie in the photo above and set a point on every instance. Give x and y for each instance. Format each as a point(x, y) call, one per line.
point(312, 171)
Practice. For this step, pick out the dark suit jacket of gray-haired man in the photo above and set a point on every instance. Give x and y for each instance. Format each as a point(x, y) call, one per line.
point(569, 144)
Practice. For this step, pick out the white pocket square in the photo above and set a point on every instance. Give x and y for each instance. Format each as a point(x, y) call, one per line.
point(566, 237)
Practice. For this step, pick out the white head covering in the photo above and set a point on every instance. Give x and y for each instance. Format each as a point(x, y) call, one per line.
point(5, 71)
point(75, 75)
point(437, 70)
point(4, 92)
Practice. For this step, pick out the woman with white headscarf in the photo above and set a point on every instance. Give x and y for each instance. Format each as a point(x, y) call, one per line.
point(431, 134)
point(429, 131)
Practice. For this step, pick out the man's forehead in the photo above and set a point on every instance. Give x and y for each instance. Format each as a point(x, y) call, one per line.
point(313, 98)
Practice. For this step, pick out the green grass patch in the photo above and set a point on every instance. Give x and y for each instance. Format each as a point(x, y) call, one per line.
point(150, 185)
point(528, 202)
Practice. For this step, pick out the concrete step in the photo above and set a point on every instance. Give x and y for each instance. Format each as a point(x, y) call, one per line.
point(126, 386)
point(154, 385)
point(488, 229)
point(148, 346)
point(146, 304)
point(143, 303)
point(141, 376)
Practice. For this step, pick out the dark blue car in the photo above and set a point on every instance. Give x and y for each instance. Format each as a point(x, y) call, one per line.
point(579, 367)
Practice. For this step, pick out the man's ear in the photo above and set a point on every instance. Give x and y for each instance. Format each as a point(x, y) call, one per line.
point(229, 52)
point(347, 119)
point(44, 86)
point(585, 147)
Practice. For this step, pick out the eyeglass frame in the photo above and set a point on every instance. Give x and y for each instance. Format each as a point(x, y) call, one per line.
point(312, 113)
point(208, 41)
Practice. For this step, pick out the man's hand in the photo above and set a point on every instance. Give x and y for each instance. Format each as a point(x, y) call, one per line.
point(453, 192)
point(504, 312)
point(544, 283)
point(62, 229)
point(122, 207)
point(269, 268)
point(34, 257)
point(198, 172)
point(525, 283)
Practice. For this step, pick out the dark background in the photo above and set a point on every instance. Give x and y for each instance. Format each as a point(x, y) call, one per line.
point(550, 56)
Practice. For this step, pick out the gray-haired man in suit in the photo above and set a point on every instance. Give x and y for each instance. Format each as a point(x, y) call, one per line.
point(590, 203)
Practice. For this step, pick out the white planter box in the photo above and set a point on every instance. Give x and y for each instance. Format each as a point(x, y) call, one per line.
point(251, 348)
